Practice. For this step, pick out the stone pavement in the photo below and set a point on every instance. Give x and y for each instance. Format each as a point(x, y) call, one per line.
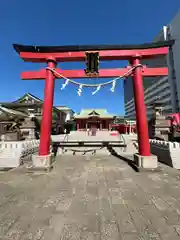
point(90, 198)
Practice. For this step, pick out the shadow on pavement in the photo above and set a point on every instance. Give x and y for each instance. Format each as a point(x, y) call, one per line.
point(127, 159)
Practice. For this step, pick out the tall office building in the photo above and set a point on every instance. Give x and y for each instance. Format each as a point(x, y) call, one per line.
point(166, 89)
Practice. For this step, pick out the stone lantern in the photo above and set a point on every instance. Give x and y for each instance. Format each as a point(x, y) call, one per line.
point(28, 128)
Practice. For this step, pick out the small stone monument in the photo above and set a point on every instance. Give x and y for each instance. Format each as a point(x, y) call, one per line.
point(11, 136)
point(158, 125)
point(12, 133)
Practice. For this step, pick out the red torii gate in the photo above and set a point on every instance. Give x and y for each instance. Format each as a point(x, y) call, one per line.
point(132, 53)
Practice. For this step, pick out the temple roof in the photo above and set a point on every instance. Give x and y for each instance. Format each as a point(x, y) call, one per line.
point(88, 113)
point(75, 48)
point(27, 100)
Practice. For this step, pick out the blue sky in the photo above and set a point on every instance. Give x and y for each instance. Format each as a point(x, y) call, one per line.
point(59, 22)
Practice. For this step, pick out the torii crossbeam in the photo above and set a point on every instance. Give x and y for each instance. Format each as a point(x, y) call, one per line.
point(132, 53)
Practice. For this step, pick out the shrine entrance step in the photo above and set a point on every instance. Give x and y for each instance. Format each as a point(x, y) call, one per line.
point(86, 147)
point(89, 144)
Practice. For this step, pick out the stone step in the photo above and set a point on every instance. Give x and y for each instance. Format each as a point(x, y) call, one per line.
point(87, 151)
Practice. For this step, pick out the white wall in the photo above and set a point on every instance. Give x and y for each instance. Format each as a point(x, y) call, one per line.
point(68, 116)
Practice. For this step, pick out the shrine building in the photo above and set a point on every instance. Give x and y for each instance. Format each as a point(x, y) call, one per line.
point(26, 106)
point(98, 118)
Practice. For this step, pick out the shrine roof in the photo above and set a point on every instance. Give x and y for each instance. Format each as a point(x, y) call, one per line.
point(20, 105)
point(64, 108)
point(87, 113)
point(76, 48)
point(7, 112)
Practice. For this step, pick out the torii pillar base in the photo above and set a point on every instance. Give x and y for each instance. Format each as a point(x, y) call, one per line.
point(42, 162)
point(145, 163)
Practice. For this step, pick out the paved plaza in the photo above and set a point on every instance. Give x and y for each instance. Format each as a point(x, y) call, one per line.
point(83, 136)
point(90, 198)
point(94, 147)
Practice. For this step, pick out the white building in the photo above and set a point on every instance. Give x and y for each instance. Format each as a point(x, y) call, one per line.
point(166, 89)
point(69, 112)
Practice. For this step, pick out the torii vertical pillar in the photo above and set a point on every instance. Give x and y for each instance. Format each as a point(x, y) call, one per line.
point(143, 158)
point(44, 159)
point(46, 123)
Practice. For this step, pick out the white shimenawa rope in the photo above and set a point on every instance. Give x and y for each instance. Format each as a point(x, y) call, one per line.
point(80, 90)
point(98, 85)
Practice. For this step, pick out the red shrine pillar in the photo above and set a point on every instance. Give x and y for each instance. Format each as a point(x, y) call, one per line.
point(46, 123)
point(141, 118)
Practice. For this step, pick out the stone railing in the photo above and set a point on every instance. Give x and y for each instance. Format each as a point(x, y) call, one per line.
point(13, 154)
point(167, 152)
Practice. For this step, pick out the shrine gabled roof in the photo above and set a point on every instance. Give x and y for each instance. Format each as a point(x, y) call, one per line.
point(94, 113)
point(87, 113)
point(75, 48)
point(28, 95)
